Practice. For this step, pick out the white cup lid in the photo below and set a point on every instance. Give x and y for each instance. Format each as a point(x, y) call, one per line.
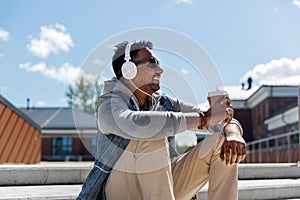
point(217, 93)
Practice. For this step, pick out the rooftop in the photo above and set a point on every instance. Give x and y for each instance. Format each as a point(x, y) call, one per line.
point(237, 93)
point(61, 118)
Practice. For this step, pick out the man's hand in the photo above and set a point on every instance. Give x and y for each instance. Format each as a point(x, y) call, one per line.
point(220, 111)
point(233, 149)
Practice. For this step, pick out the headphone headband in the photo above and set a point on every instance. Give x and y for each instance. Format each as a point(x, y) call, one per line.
point(127, 52)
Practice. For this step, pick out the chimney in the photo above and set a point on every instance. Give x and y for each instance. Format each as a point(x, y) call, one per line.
point(28, 103)
point(249, 83)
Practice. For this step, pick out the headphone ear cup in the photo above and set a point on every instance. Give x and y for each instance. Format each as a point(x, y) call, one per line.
point(129, 70)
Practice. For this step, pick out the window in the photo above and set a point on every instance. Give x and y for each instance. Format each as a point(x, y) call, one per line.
point(62, 145)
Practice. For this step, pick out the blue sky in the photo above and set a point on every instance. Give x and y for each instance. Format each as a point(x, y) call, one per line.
point(43, 44)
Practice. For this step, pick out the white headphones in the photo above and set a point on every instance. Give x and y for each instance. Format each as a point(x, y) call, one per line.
point(129, 69)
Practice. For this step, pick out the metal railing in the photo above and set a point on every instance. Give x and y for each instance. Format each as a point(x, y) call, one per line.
point(278, 148)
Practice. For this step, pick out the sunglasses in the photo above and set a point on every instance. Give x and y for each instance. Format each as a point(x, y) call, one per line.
point(153, 62)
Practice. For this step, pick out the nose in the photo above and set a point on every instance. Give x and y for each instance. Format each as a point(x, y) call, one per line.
point(159, 69)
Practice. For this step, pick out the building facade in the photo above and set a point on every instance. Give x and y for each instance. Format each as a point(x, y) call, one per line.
point(256, 108)
point(20, 136)
point(67, 134)
point(270, 117)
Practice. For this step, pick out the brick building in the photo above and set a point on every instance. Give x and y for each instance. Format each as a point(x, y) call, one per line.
point(265, 110)
point(67, 134)
point(285, 121)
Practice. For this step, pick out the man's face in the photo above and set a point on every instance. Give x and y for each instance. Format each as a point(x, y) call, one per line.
point(148, 71)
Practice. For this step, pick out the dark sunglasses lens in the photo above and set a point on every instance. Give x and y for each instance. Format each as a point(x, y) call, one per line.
point(154, 61)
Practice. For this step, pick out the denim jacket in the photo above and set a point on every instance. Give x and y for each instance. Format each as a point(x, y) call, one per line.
point(112, 147)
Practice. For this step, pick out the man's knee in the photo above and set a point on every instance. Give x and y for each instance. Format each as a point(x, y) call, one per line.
point(211, 144)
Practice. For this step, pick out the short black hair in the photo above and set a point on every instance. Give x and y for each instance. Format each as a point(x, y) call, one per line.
point(119, 55)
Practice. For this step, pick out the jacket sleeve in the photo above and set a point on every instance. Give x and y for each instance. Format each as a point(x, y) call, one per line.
point(115, 117)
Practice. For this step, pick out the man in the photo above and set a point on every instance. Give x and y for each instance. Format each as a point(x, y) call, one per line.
point(133, 116)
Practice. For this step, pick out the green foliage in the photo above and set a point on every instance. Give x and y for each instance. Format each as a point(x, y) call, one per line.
point(183, 149)
point(84, 95)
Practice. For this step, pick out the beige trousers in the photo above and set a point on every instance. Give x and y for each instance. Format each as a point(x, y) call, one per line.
point(144, 171)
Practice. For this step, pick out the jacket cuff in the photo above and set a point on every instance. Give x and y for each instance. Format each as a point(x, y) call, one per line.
point(236, 122)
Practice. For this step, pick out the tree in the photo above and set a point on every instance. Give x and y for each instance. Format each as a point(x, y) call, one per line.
point(84, 95)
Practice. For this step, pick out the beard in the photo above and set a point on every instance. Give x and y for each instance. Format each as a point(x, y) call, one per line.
point(154, 87)
point(150, 88)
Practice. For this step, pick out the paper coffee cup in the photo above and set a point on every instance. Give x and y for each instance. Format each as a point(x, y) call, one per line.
point(214, 96)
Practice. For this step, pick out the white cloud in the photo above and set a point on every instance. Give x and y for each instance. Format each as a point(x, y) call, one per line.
point(52, 39)
point(40, 103)
point(185, 1)
point(296, 2)
point(66, 74)
point(4, 35)
point(282, 71)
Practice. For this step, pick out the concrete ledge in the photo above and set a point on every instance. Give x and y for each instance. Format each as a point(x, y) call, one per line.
point(269, 171)
point(45, 173)
point(248, 190)
point(264, 189)
point(41, 192)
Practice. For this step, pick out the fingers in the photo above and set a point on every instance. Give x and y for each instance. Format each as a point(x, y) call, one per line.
point(239, 157)
point(233, 152)
point(228, 102)
point(244, 152)
point(229, 110)
point(229, 114)
point(226, 153)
